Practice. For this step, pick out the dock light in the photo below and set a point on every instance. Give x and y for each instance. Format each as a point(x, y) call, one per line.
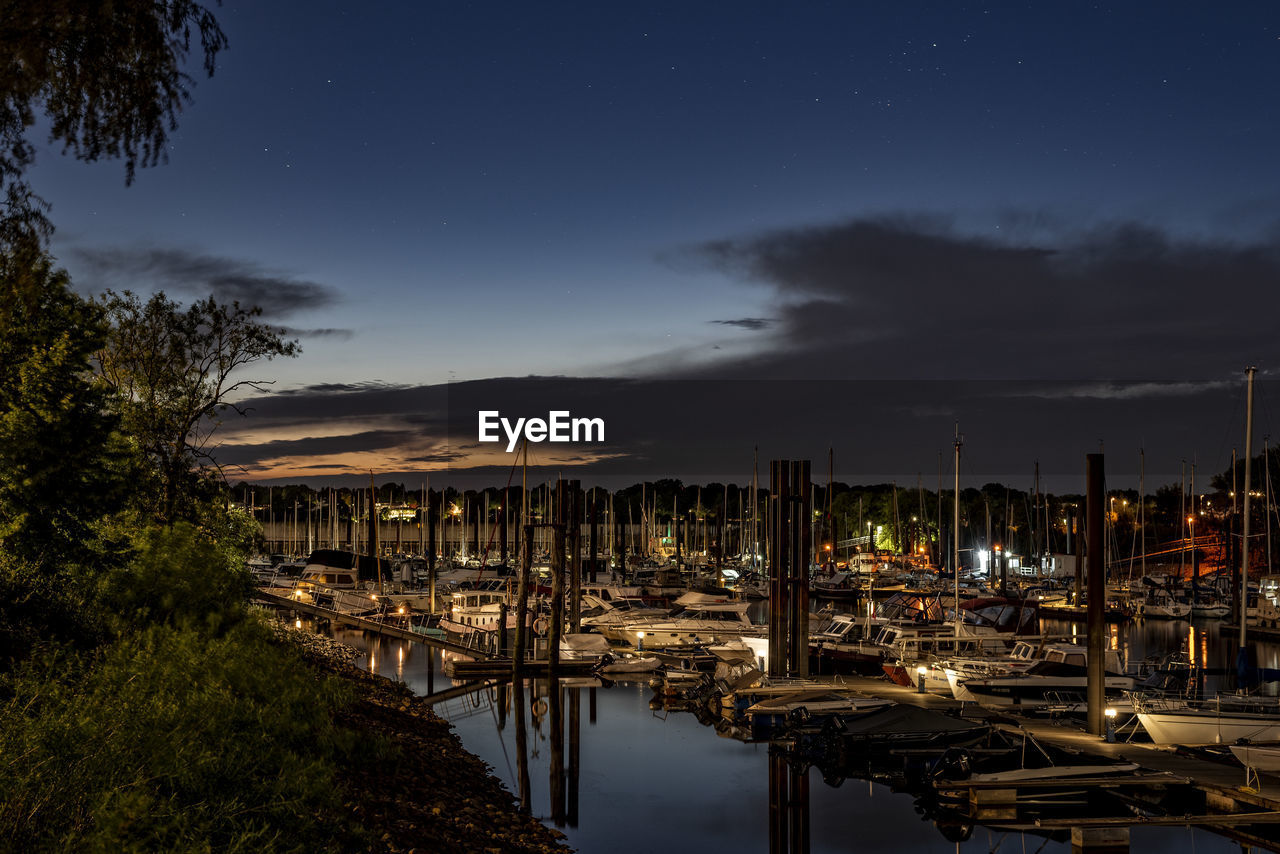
point(1110, 714)
point(640, 639)
point(297, 624)
point(400, 610)
point(921, 671)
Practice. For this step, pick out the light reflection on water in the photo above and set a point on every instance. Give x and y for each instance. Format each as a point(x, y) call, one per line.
point(631, 779)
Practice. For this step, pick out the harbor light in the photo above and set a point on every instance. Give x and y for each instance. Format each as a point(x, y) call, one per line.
point(297, 624)
point(1110, 714)
point(921, 671)
point(640, 639)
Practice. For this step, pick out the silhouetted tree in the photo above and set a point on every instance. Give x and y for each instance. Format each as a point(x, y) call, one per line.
point(107, 78)
point(171, 370)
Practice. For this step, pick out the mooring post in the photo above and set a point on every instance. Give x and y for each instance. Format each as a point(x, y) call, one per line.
point(1094, 508)
point(780, 499)
point(789, 568)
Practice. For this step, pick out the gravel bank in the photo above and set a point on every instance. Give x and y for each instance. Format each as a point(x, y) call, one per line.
point(435, 796)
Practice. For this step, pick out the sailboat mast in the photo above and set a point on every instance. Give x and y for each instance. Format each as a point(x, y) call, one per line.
point(373, 530)
point(1248, 472)
point(755, 507)
point(1182, 520)
point(1191, 523)
point(956, 523)
point(1142, 507)
point(1266, 468)
point(937, 554)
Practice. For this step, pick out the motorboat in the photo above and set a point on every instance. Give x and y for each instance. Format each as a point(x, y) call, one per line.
point(1061, 669)
point(957, 670)
point(597, 612)
point(695, 625)
point(841, 586)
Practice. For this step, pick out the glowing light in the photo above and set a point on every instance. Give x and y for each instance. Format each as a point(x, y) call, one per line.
point(297, 624)
point(1109, 712)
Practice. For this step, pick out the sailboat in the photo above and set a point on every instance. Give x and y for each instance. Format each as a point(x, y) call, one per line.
point(1227, 717)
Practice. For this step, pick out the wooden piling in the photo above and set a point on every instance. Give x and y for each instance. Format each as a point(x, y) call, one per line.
point(1094, 501)
point(790, 532)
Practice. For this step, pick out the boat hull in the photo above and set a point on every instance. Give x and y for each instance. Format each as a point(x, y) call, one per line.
point(1180, 727)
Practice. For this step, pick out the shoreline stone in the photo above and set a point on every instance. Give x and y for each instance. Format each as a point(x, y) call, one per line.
point(434, 795)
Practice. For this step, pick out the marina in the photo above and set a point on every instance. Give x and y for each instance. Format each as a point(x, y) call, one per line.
point(985, 696)
point(640, 765)
point(984, 708)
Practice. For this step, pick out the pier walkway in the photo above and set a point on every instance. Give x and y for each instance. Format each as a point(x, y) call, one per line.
point(1230, 798)
point(370, 625)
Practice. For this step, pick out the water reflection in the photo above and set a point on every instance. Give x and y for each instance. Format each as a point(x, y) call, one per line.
point(788, 802)
point(629, 771)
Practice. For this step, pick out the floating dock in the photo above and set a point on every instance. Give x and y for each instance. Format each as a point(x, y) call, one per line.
point(1229, 801)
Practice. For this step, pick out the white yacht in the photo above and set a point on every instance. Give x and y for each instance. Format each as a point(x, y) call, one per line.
point(696, 625)
point(1062, 669)
point(1224, 719)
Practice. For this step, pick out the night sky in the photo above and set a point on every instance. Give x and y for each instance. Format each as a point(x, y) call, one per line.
point(798, 227)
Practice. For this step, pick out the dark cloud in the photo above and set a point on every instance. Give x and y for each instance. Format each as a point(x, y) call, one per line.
point(451, 457)
point(312, 446)
point(226, 279)
point(916, 298)
point(290, 332)
point(883, 335)
point(710, 430)
point(752, 323)
point(420, 406)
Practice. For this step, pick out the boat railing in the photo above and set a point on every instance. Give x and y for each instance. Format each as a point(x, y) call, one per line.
point(1224, 704)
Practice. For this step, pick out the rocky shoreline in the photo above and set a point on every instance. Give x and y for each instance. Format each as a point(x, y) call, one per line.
point(434, 795)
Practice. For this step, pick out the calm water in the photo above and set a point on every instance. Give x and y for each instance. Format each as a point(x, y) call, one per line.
point(639, 780)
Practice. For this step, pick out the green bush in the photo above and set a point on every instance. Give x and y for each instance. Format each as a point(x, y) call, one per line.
point(177, 577)
point(39, 608)
point(174, 741)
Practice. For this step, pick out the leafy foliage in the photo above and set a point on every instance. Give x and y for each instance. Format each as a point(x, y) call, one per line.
point(174, 741)
point(178, 578)
point(171, 372)
point(39, 609)
point(107, 77)
point(61, 465)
